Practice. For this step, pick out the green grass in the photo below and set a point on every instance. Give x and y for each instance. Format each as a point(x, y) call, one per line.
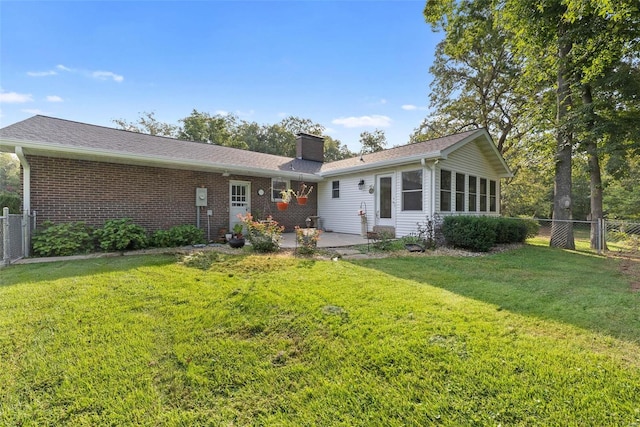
point(536, 336)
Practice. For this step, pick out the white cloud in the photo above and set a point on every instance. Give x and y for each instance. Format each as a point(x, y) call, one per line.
point(63, 68)
point(41, 73)
point(15, 98)
point(411, 107)
point(221, 113)
point(106, 75)
point(363, 121)
point(54, 98)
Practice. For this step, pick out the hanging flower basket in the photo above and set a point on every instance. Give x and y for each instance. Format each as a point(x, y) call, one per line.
point(282, 206)
point(302, 200)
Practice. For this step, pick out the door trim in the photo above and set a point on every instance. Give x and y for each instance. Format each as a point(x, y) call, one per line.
point(233, 211)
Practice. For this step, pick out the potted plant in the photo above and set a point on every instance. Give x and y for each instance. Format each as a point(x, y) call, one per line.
point(285, 196)
point(237, 239)
point(302, 195)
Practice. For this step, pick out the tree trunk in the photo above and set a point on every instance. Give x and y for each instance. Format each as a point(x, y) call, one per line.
point(562, 228)
point(595, 179)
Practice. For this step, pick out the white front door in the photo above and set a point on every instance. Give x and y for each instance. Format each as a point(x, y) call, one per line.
point(385, 200)
point(239, 201)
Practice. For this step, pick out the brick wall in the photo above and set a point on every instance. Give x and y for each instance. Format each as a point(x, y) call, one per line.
point(64, 190)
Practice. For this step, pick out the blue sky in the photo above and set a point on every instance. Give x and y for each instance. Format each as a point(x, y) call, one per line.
point(348, 65)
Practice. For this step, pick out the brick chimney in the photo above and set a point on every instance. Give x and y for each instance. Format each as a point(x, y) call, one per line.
point(310, 147)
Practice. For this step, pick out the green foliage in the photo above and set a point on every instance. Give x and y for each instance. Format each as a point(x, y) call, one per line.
point(383, 240)
point(179, 235)
point(477, 233)
point(11, 201)
point(121, 235)
point(510, 230)
point(533, 226)
point(263, 235)
point(71, 238)
point(147, 123)
point(373, 141)
point(481, 233)
point(307, 240)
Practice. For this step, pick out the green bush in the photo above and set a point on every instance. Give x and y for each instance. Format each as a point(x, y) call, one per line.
point(71, 238)
point(161, 239)
point(533, 226)
point(11, 201)
point(120, 235)
point(180, 235)
point(481, 233)
point(263, 235)
point(477, 233)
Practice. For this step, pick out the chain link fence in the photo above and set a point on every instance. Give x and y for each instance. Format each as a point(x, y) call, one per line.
point(15, 233)
point(598, 236)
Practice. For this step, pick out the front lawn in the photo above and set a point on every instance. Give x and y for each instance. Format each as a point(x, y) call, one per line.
point(535, 336)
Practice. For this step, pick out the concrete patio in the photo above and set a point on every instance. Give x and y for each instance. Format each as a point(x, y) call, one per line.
point(328, 239)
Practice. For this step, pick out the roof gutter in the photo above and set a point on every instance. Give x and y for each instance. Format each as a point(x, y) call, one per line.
point(387, 163)
point(26, 180)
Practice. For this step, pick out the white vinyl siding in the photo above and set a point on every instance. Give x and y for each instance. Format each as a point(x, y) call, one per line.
point(470, 161)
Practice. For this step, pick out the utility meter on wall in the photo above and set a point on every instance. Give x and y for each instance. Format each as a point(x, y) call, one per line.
point(201, 197)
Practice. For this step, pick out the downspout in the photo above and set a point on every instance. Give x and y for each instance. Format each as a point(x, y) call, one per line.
point(26, 201)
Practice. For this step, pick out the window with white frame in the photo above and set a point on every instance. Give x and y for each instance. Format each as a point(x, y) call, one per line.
point(483, 194)
point(473, 194)
point(335, 189)
point(277, 185)
point(412, 190)
point(492, 196)
point(445, 190)
point(460, 178)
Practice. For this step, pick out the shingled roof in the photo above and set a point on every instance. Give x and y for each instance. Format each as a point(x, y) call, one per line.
point(63, 138)
point(42, 135)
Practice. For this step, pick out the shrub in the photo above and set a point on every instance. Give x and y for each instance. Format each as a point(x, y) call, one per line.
point(384, 240)
point(307, 240)
point(510, 230)
point(161, 239)
point(120, 235)
point(263, 235)
point(71, 238)
point(533, 226)
point(180, 235)
point(477, 233)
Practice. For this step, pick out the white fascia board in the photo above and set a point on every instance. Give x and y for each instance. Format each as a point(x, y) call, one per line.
point(384, 164)
point(35, 148)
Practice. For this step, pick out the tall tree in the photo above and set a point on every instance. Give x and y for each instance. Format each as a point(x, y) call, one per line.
point(147, 123)
point(476, 77)
point(373, 141)
point(218, 129)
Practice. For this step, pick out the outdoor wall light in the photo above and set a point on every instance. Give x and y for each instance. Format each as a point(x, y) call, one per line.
point(361, 184)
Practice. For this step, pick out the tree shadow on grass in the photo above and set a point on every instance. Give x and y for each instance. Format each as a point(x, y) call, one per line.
point(583, 290)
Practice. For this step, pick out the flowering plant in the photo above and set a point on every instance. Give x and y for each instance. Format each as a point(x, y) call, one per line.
point(362, 213)
point(263, 235)
point(307, 239)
